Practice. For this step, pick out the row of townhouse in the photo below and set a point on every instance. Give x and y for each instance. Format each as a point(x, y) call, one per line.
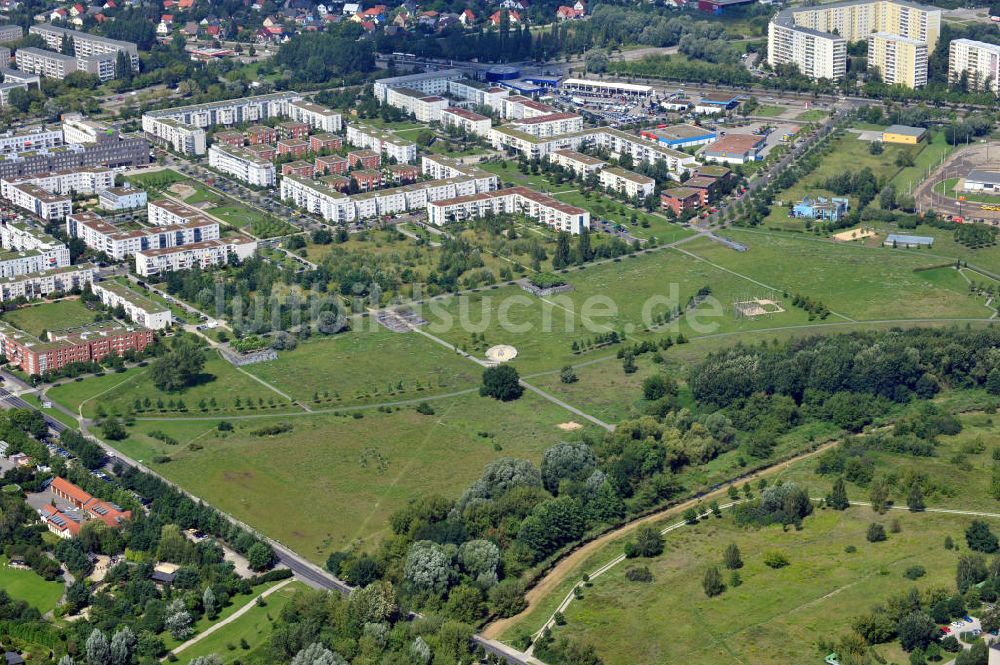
point(87, 180)
point(40, 284)
point(101, 236)
point(90, 343)
point(205, 254)
point(242, 165)
point(138, 308)
point(515, 200)
point(381, 141)
point(449, 180)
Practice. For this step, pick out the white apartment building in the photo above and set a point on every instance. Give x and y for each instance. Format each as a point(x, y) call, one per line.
point(85, 180)
point(978, 61)
point(138, 308)
point(21, 236)
point(478, 94)
point(49, 64)
point(77, 129)
point(382, 142)
point(40, 284)
point(118, 244)
point(468, 121)
point(423, 107)
point(244, 110)
point(86, 44)
point(50, 207)
point(518, 107)
point(429, 83)
point(627, 182)
point(333, 206)
point(164, 212)
point(122, 198)
point(30, 139)
point(898, 60)
point(516, 200)
point(242, 164)
point(182, 138)
point(318, 117)
point(815, 37)
point(201, 254)
point(553, 124)
point(581, 164)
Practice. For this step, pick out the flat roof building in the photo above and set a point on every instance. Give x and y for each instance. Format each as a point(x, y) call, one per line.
point(903, 134)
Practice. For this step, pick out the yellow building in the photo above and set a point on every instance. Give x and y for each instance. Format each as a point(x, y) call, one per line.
point(898, 60)
point(903, 134)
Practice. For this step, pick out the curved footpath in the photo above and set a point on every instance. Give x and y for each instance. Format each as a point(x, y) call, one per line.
point(572, 561)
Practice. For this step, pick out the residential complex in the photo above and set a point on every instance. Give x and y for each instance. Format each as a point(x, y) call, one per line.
point(581, 164)
point(978, 62)
point(46, 282)
point(205, 254)
point(117, 243)
point(86, 180)
point(90, 343)
point(382, 142)
point(25, 237)
point(121, 198)
point(631, 184)
point(34, 199)
point(466, 120)
point(85, 44)
point(45, 63)
point(242, 164)
point(898, 60)
point(515, 200)
point(318, 117)
point(552, 124)
point(815, 38)
point(423, 107)
point(429, 83)
point(138, 308)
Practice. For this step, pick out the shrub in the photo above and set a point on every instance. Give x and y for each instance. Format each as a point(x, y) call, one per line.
point(776, 559)
point(425, 409)
point(914, 572)
point(639, 574)
point(876, 533)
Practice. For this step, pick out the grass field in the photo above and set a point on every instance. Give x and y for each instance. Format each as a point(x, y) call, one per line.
point(334, 480)
point(812, 115)
point(929, 157)
point(220, 380)
point(775, 617)
point(50, 316)
point(254, 627)
point(30, 587)
point(769, 111)
point(368, 365)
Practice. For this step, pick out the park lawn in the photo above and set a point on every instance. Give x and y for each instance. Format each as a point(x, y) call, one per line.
point(507, 172)
point(843, 276)
point(647, 225)
point(219, 380)
point(243, 216)
point(202, 624)
point(29, 586)
point(776, 617)
point(812, 115)
point(370, 364)
point(158, 180)
point(932, 153)
point(58, 315)
point(33, 399)
point(955, 279)
point(254, 627)
point(333, 481)
point(946, 250)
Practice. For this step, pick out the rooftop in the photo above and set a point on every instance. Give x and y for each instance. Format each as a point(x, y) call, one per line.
point(977, 175)
point(734, 143)
point(579, 157)
point(682, 131)
point(130, 296)
point(630, 175)
point(905, 130)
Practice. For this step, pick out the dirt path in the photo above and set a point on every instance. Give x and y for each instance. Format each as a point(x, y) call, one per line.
point(569, 563)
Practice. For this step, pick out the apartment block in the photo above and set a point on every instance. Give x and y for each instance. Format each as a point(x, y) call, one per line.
point(428, 83)
point(10, 33)
point(552, 124)
point(479, 94)
point(293, 147)
point(423, 107)
point(627, 182)
point(85, 44)
point(24, 237)
point(321, 142)
point(90, 343)
point(518, 107)
point(164, 212)
point(579, 163)
point(102, 236)
point(201, 254)
point(331, 164)
point(293, 130)
point(468, 121)
point(138, 308)
point(381, 142)
point(41, 284)
point(87, 180)
point(49, 64)
point(318, 117)
point(242, 164)
point(182, 138)
point(898, 60)
point(122, 198)
point(977, 62)
point(515, 200)
point(37, 201)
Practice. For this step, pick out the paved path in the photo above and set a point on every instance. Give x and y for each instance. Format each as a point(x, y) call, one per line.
point(225, 622)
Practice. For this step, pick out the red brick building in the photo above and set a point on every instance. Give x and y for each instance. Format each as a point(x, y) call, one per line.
point(680, 199)
point(263, 151)
point(294, 147)
point(66, 522)
point(332, 164)
point(234, 139)
point(301, 168)
point(366, 159)
point(321, 142)
point(261, 135)
point(403, 173)
point(84, 344)
point(341, 183)
point(293, 130)
point(367, 179)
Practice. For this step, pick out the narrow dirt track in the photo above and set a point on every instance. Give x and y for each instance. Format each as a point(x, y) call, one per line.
point(567, 564)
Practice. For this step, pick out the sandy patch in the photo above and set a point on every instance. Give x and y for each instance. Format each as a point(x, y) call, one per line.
point(571, 426)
